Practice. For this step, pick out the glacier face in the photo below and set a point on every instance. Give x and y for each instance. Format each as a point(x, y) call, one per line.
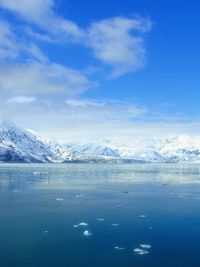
point(20, 145)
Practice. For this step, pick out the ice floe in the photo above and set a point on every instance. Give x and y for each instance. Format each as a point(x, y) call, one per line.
point(146, 246)
point(15, 191)
point(119, 248)
point(80, 224)
point(78, 196)
point(100, 219)
point(140, 251)
point(142, 216)
point(115, 224)
point(143, 249)
point(83, 224)
point(87, 233)
point(59, 198)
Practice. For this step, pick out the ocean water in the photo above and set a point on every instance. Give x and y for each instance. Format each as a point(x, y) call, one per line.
point(100, 215)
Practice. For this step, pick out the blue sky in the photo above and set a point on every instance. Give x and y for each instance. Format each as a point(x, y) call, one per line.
point(89, 70)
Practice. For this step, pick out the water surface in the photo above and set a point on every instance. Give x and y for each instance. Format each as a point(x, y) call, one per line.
point(154, 204)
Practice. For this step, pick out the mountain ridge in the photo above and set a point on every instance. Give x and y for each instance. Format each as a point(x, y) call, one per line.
point(22, 145)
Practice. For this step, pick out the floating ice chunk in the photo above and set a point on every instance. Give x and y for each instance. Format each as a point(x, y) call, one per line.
point(36, 173)
point(78, 196)
point(59, 199)
point(87, 233)
point(83, 224)
point(46, 231)
point(115, 224)
point(142, 216)
point(146, 246)
point(80, 224)
point(100, 219)
point(119, 248)
point(140, 251)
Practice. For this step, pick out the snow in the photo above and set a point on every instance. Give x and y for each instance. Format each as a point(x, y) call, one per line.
point(140, 251)
point(21, 145)
point(87, 233)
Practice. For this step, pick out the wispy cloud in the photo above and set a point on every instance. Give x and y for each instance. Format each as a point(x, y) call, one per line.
point(82, 103)
point(41, 13)
point(8, 47)
point(21, 100)
point(119, 43)
point(39, 78)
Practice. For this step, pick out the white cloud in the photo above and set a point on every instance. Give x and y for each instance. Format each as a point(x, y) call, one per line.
point(41, 13)
point(39, 78)
point(74, 118)
point(82, 103)
point(8, 47)
point(92, 110)
point(13, 47)
point(21, 99)
point(118, 42)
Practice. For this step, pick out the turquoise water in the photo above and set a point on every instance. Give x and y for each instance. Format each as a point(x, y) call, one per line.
point(151, 204)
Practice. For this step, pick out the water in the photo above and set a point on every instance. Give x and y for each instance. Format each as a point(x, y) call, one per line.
point(153, 204)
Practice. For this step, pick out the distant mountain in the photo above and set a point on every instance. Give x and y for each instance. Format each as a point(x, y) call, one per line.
point(176, 149)
point(20, 145)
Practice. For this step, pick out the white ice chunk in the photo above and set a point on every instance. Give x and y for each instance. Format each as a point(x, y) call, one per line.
point(115, 224)
point(119, 248)
point(83, 224)
point(140, 251)
point(36, 173)
point(59, 199)
point(78, 196)
point(100, 219)
point(87, 233)
point(80, 224)
point(142, 216)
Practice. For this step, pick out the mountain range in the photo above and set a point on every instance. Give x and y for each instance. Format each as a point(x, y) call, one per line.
point(25, 146)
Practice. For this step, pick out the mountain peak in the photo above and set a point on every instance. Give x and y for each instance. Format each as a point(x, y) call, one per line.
point(20, 145)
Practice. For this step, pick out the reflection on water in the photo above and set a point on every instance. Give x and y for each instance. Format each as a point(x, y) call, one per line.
point(119, 215)
point(66, 175)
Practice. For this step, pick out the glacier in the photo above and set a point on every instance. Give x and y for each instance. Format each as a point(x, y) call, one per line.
point(25, 146)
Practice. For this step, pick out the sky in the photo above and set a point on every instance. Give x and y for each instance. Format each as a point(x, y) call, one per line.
point(81, 71)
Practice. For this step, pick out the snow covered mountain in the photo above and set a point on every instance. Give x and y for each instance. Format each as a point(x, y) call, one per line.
point(19, 145)
point(176, 149)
